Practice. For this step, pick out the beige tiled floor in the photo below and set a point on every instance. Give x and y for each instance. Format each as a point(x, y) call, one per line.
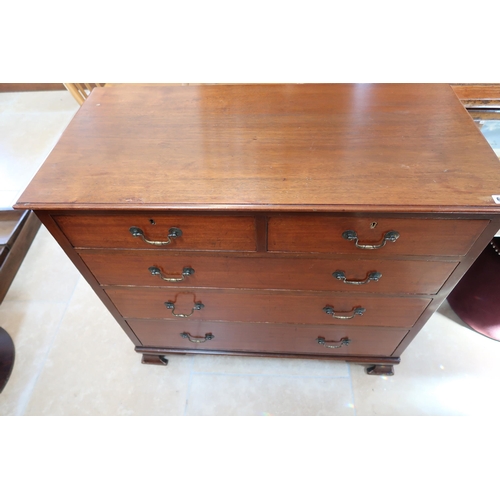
point(73, 359)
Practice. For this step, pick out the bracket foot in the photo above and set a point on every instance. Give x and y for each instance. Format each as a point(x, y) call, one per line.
point(149, 359)
point(387, 370)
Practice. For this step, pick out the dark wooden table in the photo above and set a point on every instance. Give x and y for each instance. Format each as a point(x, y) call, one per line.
point(17, 231)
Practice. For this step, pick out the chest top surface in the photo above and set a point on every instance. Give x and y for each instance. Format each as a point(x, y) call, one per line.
point(318, 147)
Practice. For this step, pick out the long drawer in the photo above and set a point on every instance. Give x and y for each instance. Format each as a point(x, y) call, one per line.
point(316, 233)
point(278, 338)
point(278, 307)
point(180, 232)
point(156, 268)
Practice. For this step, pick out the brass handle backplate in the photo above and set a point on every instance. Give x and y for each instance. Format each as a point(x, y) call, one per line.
point(372, 276)
point(173, 232)
point(357, 311)
point(353, 236)
point(155, 271)
point(171, 305)
point(196, 340)
point(332, 344)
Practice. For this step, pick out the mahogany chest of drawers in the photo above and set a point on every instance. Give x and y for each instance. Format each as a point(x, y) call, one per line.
point(271, 220)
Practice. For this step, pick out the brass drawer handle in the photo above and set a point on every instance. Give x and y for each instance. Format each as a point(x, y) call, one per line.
point(173, 232)
point(171, 305)
point(357, 311)
point(155, 271)
point(353, 236)
point(329, 343)
point(373, 276)
point(195, 340)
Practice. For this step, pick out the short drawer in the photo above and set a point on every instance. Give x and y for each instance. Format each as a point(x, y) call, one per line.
point(154, 231)
point(156, 268)
point(305, 233)
point(302, 308)
point(276, 338)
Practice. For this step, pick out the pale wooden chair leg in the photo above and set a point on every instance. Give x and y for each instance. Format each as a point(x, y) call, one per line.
point(80, 91)
point(74, 92)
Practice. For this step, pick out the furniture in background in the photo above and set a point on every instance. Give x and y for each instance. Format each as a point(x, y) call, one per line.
point(476, 297)
point(17, 231)
point(30, 87)
point(7, 357)
point(80, 91)
point(478, 96)
point(306, 221)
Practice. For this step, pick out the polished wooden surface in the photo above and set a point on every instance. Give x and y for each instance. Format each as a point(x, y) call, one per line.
point(263, 180)
point(306, 233)
point(23, 229)
point(198, 232)
point(131, 267)
point(268, 337)
point(272, 307)
point(30, 87)
point(365, 359)
point(295, 147)
point(487, 92)
point(3, 253)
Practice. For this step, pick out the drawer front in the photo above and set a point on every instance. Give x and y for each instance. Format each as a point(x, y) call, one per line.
point(277, 338)
point(416, 236)
point(135, 267)
point(199, 232)
point(267, 307)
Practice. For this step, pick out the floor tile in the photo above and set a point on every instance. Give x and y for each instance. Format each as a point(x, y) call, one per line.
point(32, 326)
point(243, 365)
point(92, 369)
point(447, 370)
point(25, 142)
point(50, 101)
point(46, 273)
point(30, 125)
point(245, 395)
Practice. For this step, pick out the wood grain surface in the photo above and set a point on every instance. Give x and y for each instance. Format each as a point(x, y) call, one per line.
point(278, 338)
point(477, 91)
point(325, 147)
point(267, 307)
point(263, 180)
point(198, 232)
point(312, 233)
point(18, 244)
point(131, 267)
point(30, 87)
